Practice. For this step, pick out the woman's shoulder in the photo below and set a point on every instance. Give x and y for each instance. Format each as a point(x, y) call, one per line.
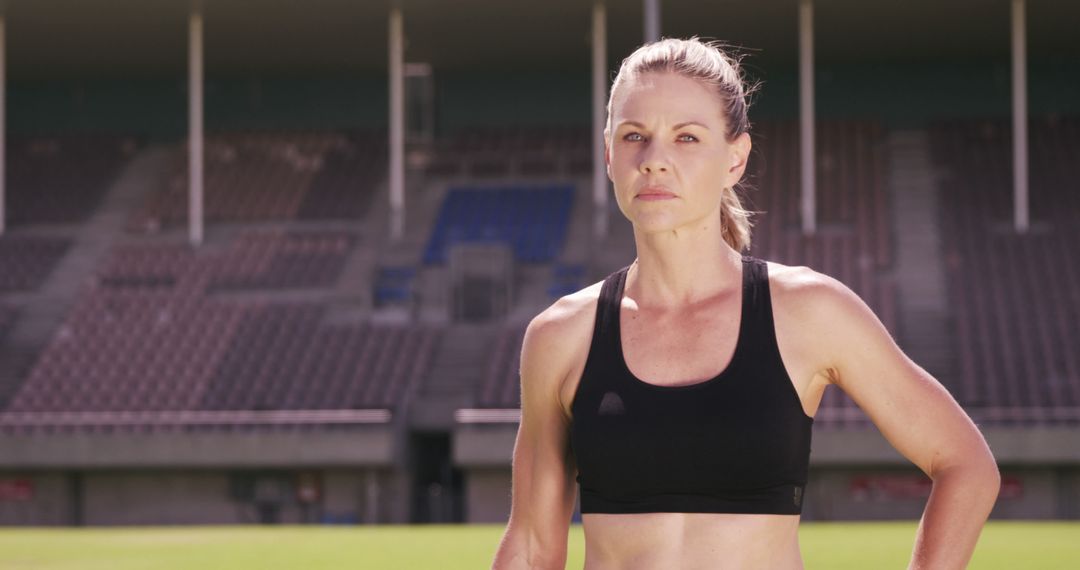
point(556, 344)
point(568, 318)
point(799, 281)
point(804, 282)
point(809, 296)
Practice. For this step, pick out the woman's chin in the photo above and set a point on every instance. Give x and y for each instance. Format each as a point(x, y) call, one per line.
point(647, 225)
point(659, 223)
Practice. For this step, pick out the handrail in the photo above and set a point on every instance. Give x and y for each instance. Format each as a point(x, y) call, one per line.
point(195, 417)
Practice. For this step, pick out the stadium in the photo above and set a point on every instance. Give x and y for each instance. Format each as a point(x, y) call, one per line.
point(271, 262)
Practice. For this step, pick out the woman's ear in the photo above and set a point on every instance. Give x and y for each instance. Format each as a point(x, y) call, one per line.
point(741, 149)
point(607, 161)
point(740, 153)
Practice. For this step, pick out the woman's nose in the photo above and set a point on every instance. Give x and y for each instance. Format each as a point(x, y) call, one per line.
point(653, 160)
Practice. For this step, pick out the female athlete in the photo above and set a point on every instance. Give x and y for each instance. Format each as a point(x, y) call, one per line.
point(680, 391)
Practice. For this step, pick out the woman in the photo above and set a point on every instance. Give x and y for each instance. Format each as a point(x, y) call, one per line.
point(680, 391)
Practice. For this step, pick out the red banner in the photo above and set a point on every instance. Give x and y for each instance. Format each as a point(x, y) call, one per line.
point(16, 489)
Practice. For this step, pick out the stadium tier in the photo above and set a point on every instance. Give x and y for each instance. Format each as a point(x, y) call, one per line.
point(27, 260)
point(1016, 296)
point(60, 179)
point(151, 332)
point(7, 317)
point(501, 385)
point(281, 358)
point(263, 176)
point(535, 151)
point(851, 196)
point(286, 261)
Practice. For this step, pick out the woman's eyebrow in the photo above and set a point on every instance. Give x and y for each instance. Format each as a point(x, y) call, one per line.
point(674, 128)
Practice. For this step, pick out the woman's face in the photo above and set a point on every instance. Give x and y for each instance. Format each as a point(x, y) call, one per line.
point(667, 154)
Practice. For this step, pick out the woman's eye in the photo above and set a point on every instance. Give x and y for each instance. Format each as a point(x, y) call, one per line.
point(628, 135)
point(694, 139)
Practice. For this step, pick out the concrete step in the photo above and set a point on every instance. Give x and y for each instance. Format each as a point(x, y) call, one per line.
point(460, 362)
point(920, 278)
point(436, 413)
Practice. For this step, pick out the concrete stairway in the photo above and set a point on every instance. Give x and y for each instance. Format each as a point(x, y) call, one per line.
point(923, 305)
point(459, 366)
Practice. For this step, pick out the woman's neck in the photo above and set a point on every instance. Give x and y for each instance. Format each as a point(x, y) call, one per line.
point(681, 267)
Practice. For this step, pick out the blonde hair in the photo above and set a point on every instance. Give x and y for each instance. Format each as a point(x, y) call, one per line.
point(708, 63)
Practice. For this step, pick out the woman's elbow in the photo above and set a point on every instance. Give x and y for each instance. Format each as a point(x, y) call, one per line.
point(519, 550)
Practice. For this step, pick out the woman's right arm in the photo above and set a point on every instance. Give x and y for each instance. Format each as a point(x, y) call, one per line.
point(543, 487)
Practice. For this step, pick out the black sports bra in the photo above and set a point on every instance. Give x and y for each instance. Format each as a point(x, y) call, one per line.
point(736, 443)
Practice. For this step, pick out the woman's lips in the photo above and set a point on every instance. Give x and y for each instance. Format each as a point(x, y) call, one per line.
point(655, 194)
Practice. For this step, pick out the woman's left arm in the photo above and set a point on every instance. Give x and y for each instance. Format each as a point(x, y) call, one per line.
point(916, 414)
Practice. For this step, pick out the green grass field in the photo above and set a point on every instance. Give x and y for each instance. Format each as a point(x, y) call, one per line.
point(833, 546)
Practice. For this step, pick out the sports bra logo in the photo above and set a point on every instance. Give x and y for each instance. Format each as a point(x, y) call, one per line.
point(611, 405)
point(798, 495)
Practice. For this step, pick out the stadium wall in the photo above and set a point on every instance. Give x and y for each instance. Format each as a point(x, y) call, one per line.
point(108, 497)
point(358, 477)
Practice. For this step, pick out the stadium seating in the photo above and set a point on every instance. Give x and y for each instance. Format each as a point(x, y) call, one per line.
point(153, 331)
point(150, 334)
point(501, 385)
point(7, 319)
point(26, 261)
point(259, 176)
point(393, 285)
point(281, 358)
point(61, 179)
point(531, 219)
point(851, 198)
point(480, 152)
point(344, 186)
point(1015, 296)
point(285, 261)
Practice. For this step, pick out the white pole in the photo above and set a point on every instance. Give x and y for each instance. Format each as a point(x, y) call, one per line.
point(1019, 112)
point(652, 20)
point(195, 124)
point(599, 104)
point(806, 114)
point(397, 124)
point(3, 123)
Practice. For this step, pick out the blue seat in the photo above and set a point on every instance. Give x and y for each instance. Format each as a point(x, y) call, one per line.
point(532, 220)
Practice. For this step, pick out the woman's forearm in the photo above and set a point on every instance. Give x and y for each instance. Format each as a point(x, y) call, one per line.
point(960, 502)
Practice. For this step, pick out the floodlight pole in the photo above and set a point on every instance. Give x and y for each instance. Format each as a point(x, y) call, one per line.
point(397, 125)
point(195, 124)
point(599, 114)
point(652, 20)
point(806, 115)
point(3, 120)
point(1021, 216)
